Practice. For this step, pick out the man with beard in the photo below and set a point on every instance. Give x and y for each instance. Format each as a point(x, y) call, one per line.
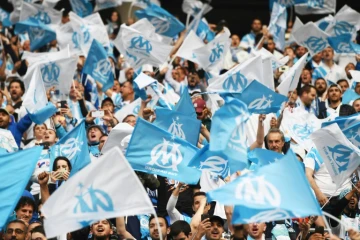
point(154, 230)
point(248, 41)
point(16, 230)
point(16, 90)
point(102, 230)
point(212, 228)
point(334, 102)
point(320, 86)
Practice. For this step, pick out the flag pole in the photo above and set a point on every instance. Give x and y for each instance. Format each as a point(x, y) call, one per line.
point(187, 20)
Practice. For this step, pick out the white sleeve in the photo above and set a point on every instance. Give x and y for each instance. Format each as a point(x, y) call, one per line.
point(309, 162)
point(173, 83)
point(174, 214)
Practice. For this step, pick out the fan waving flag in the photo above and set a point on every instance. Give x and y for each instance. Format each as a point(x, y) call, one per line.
point(98, 66)
point(140, 44)
point(340, 156)
point(187, 48)
point(14, 175)
point(178, 124)
point(238, 78)
point(159, 152)
point(36, 101)
point(260, 99)
point(231, 116)
point(164, 23)
point(93, 194)
point(39, 33)
point(263, 195)
point(73, 146)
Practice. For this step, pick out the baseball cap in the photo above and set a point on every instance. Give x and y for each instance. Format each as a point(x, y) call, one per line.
point(108, 99)
point(215, 218)
point(199, 105)
point(95, 126)
point(4, 111)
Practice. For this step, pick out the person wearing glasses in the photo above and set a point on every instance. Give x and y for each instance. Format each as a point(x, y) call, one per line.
point(16, 230)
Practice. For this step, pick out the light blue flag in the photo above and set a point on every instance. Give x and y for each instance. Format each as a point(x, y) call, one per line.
point(155, 151)
point(82, 8)
point(185, 105)
point(225, 121)
point(5, 18)
point(343, 122)
point(260, 99)
point(277, 26)
point(98, 66)
point(15, 172)
point(215, 162)
point(164, 23)
point(286, 3)
point(178, 124)
point(341, 43)
point(73, 146)
point(39, 33)
point(263, 157)
point(267, 194)
point(353, 134)
point(349, 95)
point(204, 32)
point(355, 47)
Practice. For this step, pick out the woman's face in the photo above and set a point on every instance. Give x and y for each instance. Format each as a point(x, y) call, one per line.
point(62, 164)
point(114, 17)
point(39, 131)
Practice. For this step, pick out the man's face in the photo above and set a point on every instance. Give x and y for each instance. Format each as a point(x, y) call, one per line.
point(300, 51)
point(328, 54)
point(102, 230)
point(15, 231)
point(116, 87)
point(126, 90)
point(197, 201)
point(102, 142)
point(353, 204)
point(215, 232)
point(334, 94)
point(306, 77)
point(317, 57)
point(182, 236)
point(344, 85)
point(4, 120)
point(320, 86)
point(30, 228)
point(94, 135)
point(256, 26)
point(256, 230)
point(15, 91)
point(154, 231)
point(49, 136)
point(356, 105)
point(129, 74)
point(107, 105)
point(39, 130)
point(275, 142)
point(308, 98)
point(73, 89)
point(235, 40)
point(349, 67)
point(357, 88)
point(271, 45)
point(131, 120)
point(193, 79)
point(25, 213)
point(292, 95)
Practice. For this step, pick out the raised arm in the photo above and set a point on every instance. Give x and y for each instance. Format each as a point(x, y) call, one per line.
point(260, 133)
point(174, 214)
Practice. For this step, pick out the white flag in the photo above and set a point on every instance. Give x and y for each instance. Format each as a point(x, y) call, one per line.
point(355, 75)
point(119, 137)
point(316, 7)
point(87, 29)
point(67, 38)
point(129, 109)
point(143, 80)
point(141, 45)
point(50, 3)
point(211, 56)
point(58, 73)
point(15, 14)
point(186, 50)
point(238, 78)
point(300, 124)
point(40, 12)
point(340, 156)
point(324, 22)
point(311, 37)
point(193, 7)
point(104, 4)
point(33, 58)
point(291, 80)
point(297, 24)
point(106, 188)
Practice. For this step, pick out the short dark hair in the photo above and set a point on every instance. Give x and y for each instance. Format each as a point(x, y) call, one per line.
point(178, 227)
point(23, 201)
point(18, 221)
point(342, 80)
point(130, 115)
point(108, 99)
point(306, 89)
point(346, 110)
point(160, 216)
point(39, 125)
point(276, 130)
point(38, 229)
point(199, 194)
point(335, 86)
point(17, 80)
point(61, 158)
